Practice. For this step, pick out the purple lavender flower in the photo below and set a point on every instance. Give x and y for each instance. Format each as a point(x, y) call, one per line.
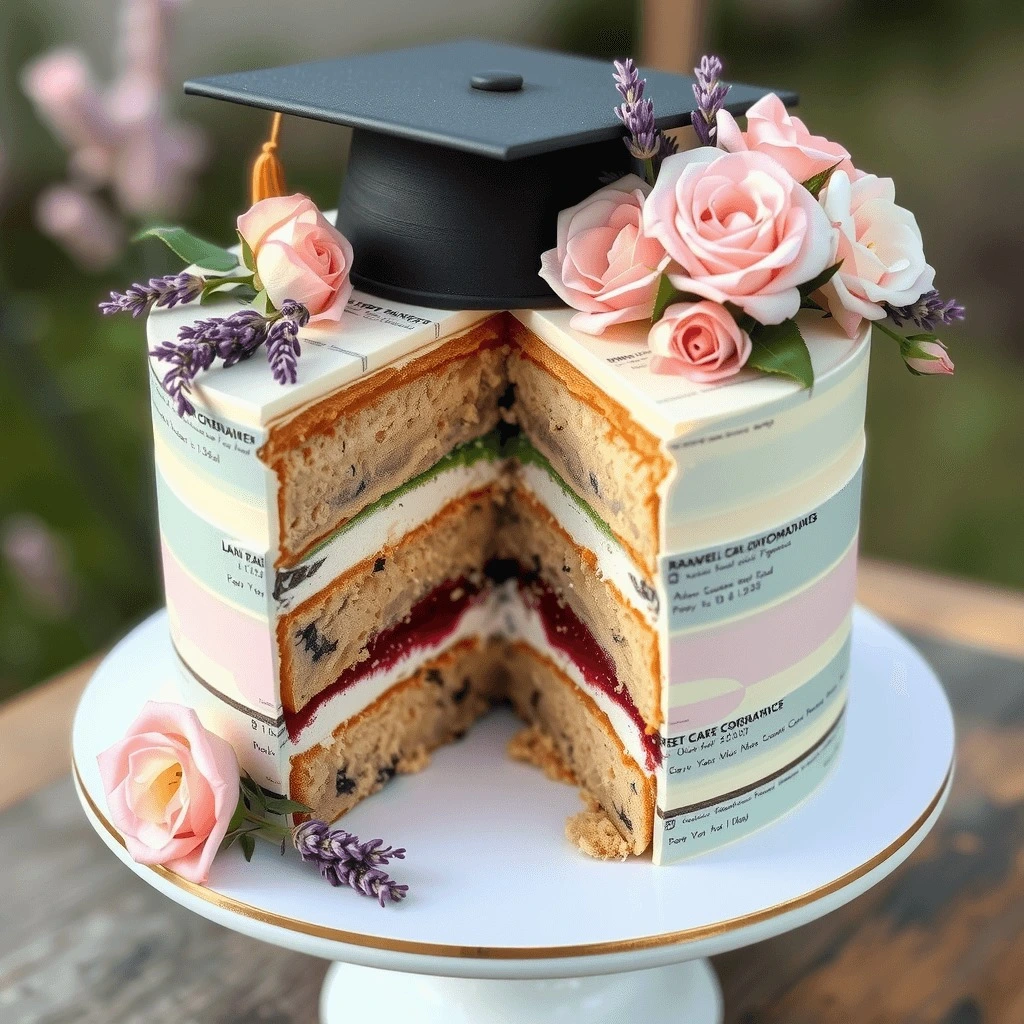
point(928, 312)
point(232, 339)
point(283, 348)
point(628, 82)
point(158, 291)
point(709, 92)
point(635, 112)
point(343, 860)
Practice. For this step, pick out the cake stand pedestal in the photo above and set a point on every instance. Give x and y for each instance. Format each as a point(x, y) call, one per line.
point(505, 921)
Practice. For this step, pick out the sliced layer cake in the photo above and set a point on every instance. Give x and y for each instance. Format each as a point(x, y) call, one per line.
point(453, 510)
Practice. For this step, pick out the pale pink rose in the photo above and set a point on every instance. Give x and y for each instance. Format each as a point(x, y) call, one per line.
point(299, 255)
point(929, 357)
point(772, 130)
point(699, 340)
point(171, 789)
point(740, 230)
point(881, 250)
point(603, 264)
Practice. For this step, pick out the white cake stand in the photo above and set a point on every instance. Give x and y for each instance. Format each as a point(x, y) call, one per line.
point(505, 921)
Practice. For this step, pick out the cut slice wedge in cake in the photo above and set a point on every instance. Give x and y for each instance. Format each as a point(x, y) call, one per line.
point(455, 510)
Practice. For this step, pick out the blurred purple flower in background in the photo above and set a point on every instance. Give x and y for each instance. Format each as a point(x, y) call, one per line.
point(120, 137)
point(38, 560)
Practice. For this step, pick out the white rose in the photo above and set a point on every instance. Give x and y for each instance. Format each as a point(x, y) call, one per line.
point(880, 246)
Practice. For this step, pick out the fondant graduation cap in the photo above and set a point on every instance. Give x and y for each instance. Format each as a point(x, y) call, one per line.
point(462, 155)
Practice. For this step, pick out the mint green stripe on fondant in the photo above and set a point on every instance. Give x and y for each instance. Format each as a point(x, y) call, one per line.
point(680, 833)
point(223, 452)
point(232, 571)
point(744, 738)
point(708, 586)
point(747, 458)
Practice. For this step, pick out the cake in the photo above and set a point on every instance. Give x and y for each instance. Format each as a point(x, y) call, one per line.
point(455, 509)
point(632, 520)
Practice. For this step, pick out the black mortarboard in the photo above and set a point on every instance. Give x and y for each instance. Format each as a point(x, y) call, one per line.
point(462, 155)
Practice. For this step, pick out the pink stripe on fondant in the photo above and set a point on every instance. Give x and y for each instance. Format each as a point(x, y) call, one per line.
point(235, 642)
point(762, 645)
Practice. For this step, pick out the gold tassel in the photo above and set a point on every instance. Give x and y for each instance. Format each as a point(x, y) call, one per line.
point(267, 173)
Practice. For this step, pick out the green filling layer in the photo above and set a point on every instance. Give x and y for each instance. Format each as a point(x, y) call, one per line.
point(490, 446)
point(519, 447)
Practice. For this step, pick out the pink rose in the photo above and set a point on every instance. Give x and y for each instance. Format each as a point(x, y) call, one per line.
point(171, 789)
point(699, 340)
point(603, 264)
point(881, 249)
point(740, 229)
point(299, 255)
point(928, 357)
point(773, 131)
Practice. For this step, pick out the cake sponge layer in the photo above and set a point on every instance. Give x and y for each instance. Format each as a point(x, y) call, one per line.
point(337, 457)
point(545, 697)
point(593, 443)
point(529, 533)
point(329, 633)
point(396, 733)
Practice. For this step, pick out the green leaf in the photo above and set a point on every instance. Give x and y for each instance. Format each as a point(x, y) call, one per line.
point(283, 806)
point(744, 320)
point(808, 303)
point(817, 182)
point(667, 295)
point(781, 349)
point(253, 792)
point(261, 302)
point(238, 817)
point(248, 845)
point(248, 259)
point(816, 282)
point(192, 249)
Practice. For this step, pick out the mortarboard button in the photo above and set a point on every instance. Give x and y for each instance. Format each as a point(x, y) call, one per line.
point(445, 202)
point(497, 81)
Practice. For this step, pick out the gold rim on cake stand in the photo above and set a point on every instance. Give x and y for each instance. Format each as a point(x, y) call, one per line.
point(523, 952)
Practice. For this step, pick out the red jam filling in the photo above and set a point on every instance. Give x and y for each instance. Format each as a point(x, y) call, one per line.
point(567, 633)
point(430, 621)
point(435, 617)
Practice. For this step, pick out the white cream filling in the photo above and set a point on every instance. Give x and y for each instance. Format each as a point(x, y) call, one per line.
point(365, 537)
point(501, 612)
point(613, 564)
point(525, 624)
point(476, 621)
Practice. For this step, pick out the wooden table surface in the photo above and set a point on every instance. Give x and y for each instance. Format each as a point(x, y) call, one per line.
point(941, 940)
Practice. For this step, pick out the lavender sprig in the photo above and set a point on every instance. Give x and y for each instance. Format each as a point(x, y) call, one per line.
point(635, 112)
point(928, 312)
point(343, 860)
point(283, 348)
point(169, 291)
point(231, 339)
point(709, 92)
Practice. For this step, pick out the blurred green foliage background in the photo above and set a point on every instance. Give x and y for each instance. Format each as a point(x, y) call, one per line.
point(927, 92)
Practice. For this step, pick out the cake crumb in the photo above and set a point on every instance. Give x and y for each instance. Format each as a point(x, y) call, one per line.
point(593, 833)
point(413, 762)
point(537, 748)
